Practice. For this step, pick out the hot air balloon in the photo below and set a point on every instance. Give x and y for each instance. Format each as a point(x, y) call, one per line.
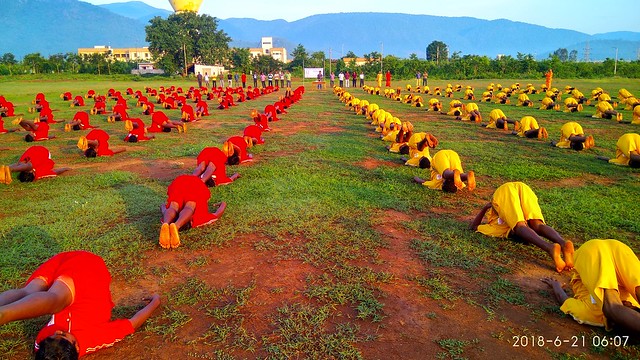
point(185, 5)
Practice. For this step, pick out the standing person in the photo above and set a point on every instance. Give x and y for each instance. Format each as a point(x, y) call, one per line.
point(288, 76)
point(229, 79)
point(361, 78)
point(214, 80)
point(71, 286)
point(354, 79)
point(341, 79)
point(206, 80)
point(347, 76)
point(388, 79)
point(199, 77)
point(425, 78)
point(281, 79)
point(270, 78)
point(514, 212)
point(263, 79)
point(549, 78)
point(276, 78)
point(332, 79)
point(418, 78)
point(255, 79)
point(320, 78)
point(379, 78)
point(243, 78)
point(236, 79)
point(221, 79)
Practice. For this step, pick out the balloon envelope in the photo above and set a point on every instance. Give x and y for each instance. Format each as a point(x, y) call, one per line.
point(185, 5)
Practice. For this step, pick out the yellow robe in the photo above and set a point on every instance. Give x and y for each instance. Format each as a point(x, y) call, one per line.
point(512, 202)
point(601, 108)
point(636, 115)
point(414, 154)
point(627, 144)
point(570, 104)
point(468, 108)
point(455, 108)
point(494, 115)
point(527, 123)
point(567, 130)
point(601, 264)
point(391, 135)
point(442, 160)
point(546, 103)
point(521, 99)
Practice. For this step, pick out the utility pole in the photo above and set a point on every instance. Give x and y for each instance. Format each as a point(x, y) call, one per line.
point(381, 54)
point(615, 64)
point(587, 51)
point(329, 61)
point(184, 50)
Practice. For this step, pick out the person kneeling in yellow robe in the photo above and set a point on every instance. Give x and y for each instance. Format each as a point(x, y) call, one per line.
point(447, 173)
point(514, 212)
point(606, 286)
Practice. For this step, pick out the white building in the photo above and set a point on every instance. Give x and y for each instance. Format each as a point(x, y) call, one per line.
point(266, 48)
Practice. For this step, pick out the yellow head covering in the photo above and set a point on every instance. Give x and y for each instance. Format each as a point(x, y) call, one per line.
point(83, 143)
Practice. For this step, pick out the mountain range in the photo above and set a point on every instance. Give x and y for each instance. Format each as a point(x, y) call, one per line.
point(61, 26)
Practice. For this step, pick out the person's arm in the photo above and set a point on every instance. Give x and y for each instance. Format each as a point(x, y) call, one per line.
point(38, 303)
point(143, 314)
point(418, 180)
point(221, 207)
point(478, 219)
point(558, 292)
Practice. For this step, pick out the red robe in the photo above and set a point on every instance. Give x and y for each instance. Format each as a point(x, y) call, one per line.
point(187, 188)
point(239, 142)
point(138, 130)
point(88, 317)
point(254, 132)
point(83, 117)
point(187, 113)
point(40, 159)
point(219, 160)
point(202, 108)
point(78, 101)
point(157, 119)
point(103, 142)
point(42, 133)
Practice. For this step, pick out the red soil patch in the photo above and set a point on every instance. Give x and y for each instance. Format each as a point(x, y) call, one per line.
point(416, 322)
point(277, 282)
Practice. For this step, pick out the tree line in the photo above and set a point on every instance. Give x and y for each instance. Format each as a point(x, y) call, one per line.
point(187, 38)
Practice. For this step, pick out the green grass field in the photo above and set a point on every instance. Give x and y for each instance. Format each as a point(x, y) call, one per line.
point(327, 249)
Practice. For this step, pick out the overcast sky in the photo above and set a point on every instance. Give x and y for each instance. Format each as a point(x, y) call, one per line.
point(587, 16)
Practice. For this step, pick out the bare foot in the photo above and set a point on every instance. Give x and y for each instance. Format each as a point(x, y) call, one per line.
point(567, 253)
point(557, 258)
point(471, 180)
point(456, 179)
point(174, 237)
point(165, 241)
